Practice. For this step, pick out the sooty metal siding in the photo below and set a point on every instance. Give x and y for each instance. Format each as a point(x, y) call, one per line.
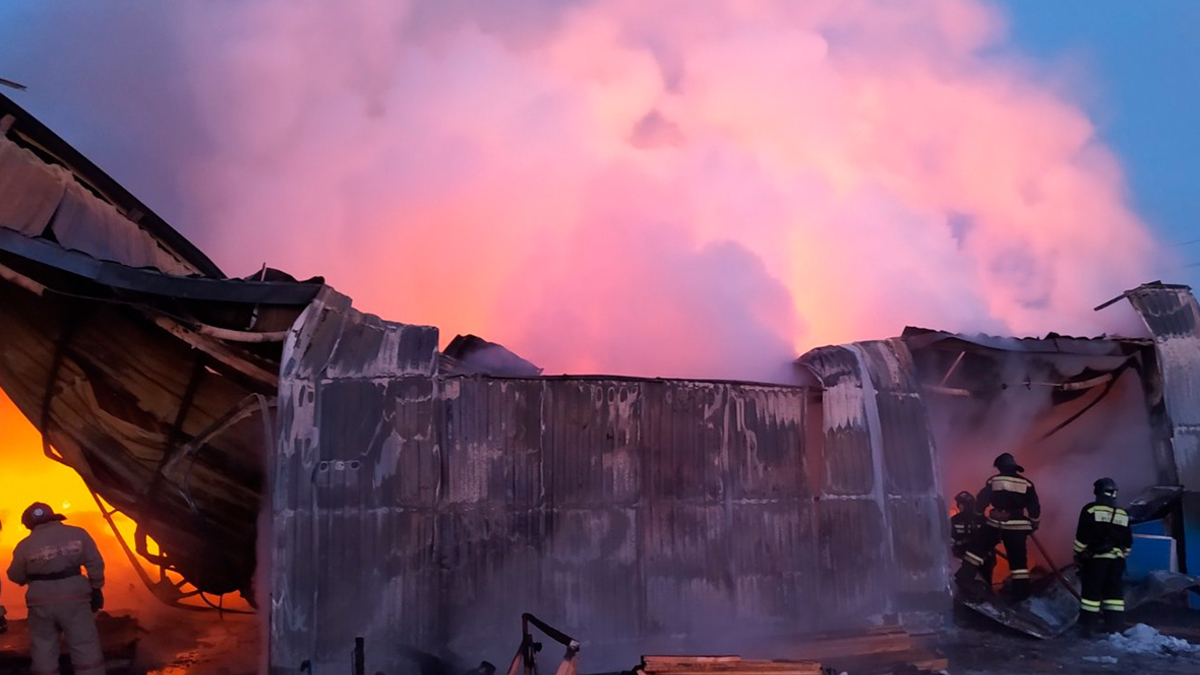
point(429, 511)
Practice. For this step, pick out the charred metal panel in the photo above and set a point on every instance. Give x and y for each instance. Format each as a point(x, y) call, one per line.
point(881, 495)
point(590, 437)
point(907, 442)
point(425, 510)
point(854, 555)
point(590, 580)
point(907, 447)
point(685, 543)
point(490, 566)
point(591, 442)
point(685, 433)
point(27, 131)
point(918, 530)
point(1173, 317)
point(853, 563)
point(766, 429)
point(688, 582)
point(356, 471)
point(492, 527)
point(774, 564)
point(849, 468)
point(41, 199)
point(497, 424)
point(915, 512)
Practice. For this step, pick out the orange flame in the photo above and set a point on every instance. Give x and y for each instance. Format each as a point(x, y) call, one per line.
point(29, 476)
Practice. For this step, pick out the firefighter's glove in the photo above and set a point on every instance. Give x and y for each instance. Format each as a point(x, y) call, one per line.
point(1034, 525)
point(97, 600)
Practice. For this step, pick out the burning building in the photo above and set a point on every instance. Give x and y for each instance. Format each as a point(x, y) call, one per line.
point(422, 498)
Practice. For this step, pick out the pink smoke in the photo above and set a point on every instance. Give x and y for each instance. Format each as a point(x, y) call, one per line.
point(666, 188)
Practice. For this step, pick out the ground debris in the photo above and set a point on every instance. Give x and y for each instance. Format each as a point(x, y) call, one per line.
point(119, 636)
point(977, 646)
point(876, 651)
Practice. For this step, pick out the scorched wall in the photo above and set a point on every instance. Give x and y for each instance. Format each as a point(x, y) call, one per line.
point(413, 509)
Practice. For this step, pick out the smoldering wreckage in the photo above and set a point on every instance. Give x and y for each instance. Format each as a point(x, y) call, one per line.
point(419, 502)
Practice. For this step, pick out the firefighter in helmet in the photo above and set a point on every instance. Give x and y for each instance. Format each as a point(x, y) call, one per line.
point(1015, 513)
point(1102, 541)
point(58, 596)
point(965, 527)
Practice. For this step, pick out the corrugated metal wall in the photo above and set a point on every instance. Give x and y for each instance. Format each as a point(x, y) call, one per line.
point(356, 478)
point(880, 496)
point(1173, 317)
point(432, 511)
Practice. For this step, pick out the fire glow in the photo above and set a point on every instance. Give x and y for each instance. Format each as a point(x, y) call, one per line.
point(29, 476)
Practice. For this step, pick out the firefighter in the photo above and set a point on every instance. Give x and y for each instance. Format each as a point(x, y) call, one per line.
point(1102, 541)
point(58, 596)
point(965, 527)
point(1015, 513)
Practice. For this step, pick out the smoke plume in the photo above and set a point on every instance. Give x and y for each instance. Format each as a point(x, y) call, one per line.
point(670, 188)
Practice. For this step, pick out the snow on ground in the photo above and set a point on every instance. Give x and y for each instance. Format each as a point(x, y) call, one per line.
point(1143, 639)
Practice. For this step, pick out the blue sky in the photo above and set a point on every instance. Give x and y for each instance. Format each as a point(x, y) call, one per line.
point(1144, 61)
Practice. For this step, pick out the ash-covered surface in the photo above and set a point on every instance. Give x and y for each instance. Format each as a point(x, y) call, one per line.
point(1159, 640)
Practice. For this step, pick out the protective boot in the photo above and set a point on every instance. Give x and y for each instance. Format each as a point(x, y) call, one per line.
point(970, 587)
point(1087, 624)
point(1114, 622)
point(965, 574)
point(1020, 589)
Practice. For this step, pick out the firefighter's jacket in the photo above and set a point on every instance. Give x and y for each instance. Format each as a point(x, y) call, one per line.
point(49, 562)
point(963, 526)
point(1103, 532)
point(1013, 501)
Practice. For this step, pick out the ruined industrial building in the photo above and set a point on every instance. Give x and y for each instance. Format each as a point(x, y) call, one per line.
point(358, 483)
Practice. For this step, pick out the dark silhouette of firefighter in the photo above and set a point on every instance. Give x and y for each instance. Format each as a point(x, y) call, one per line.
point(1102, 541)
point(60, 599)
point(1014, 515)
point(965, 528)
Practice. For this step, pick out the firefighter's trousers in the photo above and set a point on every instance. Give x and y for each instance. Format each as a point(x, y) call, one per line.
point(75, 620)
point(1015, 548)
point(1103, 586)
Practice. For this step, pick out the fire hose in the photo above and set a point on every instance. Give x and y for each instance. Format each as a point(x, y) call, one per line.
point(1057, 575)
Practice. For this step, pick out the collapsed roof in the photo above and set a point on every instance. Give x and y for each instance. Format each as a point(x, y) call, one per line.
point(147, 370)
